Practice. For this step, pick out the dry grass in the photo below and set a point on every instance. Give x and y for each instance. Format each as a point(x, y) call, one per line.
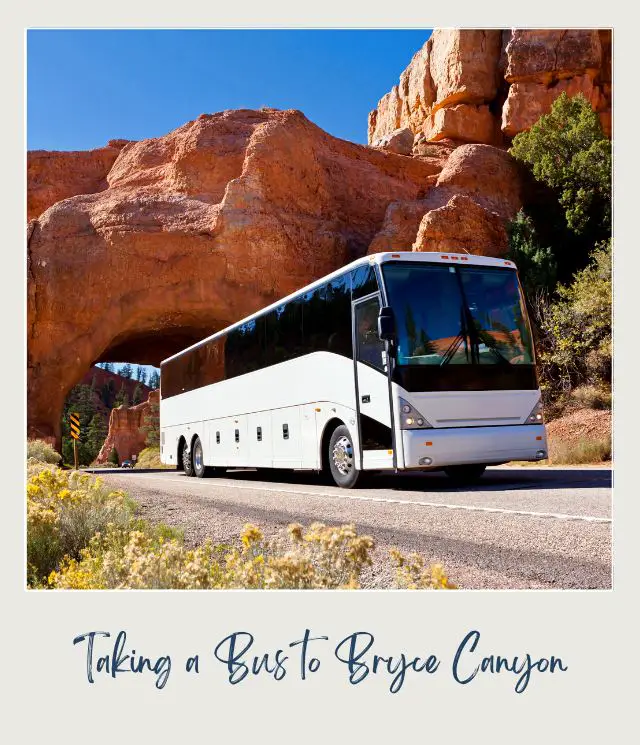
point(587, 451)
point(150, 458)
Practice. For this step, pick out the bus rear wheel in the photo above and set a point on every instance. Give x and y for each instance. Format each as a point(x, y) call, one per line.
point(341, 458)
point(187, 465)
point(465, 475)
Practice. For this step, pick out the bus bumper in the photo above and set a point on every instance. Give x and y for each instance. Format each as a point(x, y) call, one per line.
point(434, 448)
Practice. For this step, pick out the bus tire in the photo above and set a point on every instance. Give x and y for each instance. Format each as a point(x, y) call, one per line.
point(187, 465)
point(465, 475)
point(197, 453)
point(341, 458)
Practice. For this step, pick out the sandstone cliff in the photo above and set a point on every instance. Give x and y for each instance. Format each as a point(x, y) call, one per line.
point(195, 230)
point(486, 86)
point(53, 176)
point(125, 433)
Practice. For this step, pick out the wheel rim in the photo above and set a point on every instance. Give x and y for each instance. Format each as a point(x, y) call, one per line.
point(197, 457)
point(343, 456)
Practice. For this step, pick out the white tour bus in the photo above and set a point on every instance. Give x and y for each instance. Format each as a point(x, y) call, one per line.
point(398, 361)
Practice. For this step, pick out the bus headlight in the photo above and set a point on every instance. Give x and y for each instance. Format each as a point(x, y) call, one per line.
point(536, 416)
point(410, 418)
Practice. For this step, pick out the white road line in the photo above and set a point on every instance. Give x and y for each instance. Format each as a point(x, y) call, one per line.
point(359, 497)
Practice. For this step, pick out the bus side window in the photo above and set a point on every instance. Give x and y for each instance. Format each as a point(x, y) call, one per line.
point(363, 281)
point(337, 319)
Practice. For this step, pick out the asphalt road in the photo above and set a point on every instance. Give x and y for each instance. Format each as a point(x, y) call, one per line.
point(519, 527)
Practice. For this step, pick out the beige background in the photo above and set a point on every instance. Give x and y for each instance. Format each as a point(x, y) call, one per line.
point(45, 693)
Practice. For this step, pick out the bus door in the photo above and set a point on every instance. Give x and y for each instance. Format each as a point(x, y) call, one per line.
point(372, 386)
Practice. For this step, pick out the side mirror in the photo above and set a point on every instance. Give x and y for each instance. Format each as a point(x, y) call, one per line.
point(386, 324)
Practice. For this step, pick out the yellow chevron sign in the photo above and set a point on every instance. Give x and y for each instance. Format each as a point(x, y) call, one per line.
point(74, 422)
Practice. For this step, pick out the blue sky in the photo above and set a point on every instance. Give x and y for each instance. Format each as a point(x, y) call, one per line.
point(87, 87)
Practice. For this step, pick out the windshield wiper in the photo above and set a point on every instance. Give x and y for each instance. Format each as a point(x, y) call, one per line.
point(490, 343)
point(453, 347)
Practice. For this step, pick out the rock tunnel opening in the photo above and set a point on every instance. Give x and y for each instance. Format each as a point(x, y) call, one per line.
point(124, 375)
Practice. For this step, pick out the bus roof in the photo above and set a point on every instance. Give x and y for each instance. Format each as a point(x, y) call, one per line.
point(376, 258)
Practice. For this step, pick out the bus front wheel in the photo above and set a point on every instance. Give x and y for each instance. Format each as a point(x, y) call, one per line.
point(341, 458)
point(465, 475)
point(199, 469)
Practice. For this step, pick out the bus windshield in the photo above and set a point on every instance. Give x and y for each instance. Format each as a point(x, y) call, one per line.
point(458, 315)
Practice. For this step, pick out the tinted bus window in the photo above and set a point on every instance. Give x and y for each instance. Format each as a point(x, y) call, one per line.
point(337, 319)
point(363, 281)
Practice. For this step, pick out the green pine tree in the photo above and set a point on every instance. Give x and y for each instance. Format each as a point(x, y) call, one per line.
point(151, 424)
point(114, 458)
point(137, 395)
point(122, 399)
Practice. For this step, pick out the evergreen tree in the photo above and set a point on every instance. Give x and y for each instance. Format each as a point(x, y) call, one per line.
point(107, 367)
point(137, 395)
point(114, 458)
point(143, 376)
point(126, 371)
point(151, 424)
point(154, 380)
point(536, 264)
point(96, 435)
point(122, 399)
point(568, 151)
point(81, 401)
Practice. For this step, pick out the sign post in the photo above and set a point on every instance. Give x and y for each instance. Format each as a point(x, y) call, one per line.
point(74, 424)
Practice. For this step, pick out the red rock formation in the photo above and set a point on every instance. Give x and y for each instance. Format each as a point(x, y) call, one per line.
point(125, 433)
point(462, 226)
point(56, 175)
point(470, 84)
point(488, 179)
point(195, 230)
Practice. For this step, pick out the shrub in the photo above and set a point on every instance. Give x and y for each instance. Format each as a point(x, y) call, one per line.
point(320, 557)
point(592, 397)
point(536, 264)
point(65, 509)
point(586, 451)
point(150, 458)
point(575, 343)
point(41, 451)
point(413, 573)
point(567, 150)
point(113, 457)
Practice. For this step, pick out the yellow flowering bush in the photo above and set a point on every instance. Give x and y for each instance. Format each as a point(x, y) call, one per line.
point(65, 509)
point(295, 559)
point(41, 451)
point(83, 535)
point(413, 573)
point(319, 557)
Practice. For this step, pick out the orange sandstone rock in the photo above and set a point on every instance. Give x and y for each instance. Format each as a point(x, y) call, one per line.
point(542, 55)
point(528, 101)
point(463, 66)
point(55, 175)
point(462, 226)
point(465, 210)
point(195, 230)
point(464, 122)
point(125, 430)
point(468, 84)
